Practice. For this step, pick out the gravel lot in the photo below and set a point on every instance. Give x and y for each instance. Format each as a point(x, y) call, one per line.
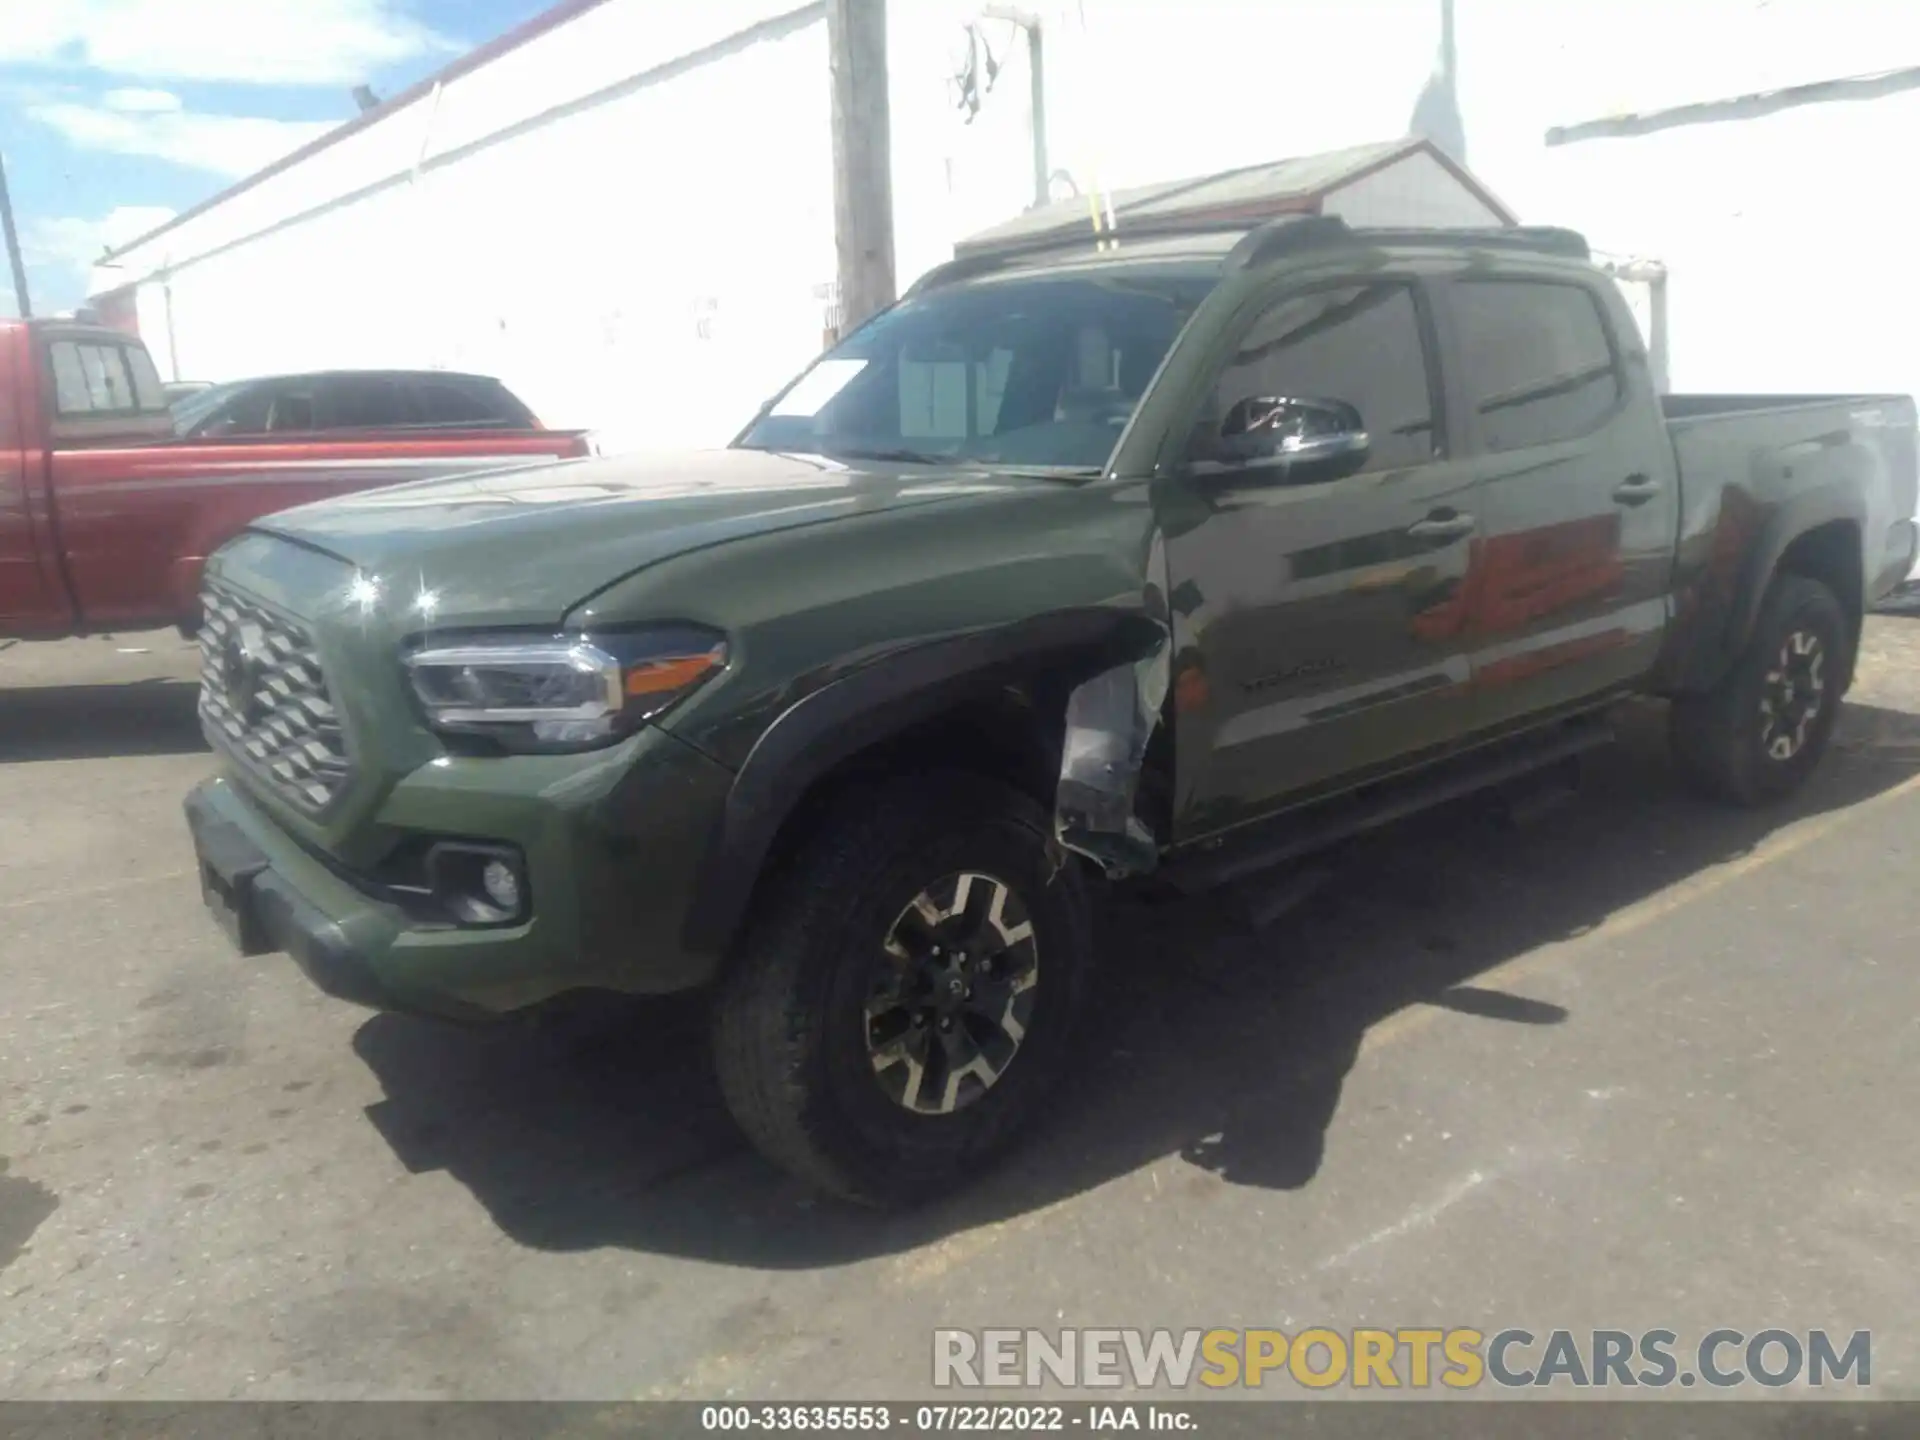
point(1640, 1062)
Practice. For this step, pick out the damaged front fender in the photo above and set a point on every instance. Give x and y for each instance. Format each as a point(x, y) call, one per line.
point(1110, 721)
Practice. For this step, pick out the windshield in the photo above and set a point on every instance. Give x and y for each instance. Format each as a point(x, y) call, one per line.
point(1038, 370)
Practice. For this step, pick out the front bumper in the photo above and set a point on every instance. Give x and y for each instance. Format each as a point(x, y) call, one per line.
point(612, 861)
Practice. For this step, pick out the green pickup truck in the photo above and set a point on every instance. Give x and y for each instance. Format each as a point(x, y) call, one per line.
point(1161, 564)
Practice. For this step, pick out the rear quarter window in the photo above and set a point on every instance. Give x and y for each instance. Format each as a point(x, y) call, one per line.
point(1540, 366)
point(100, 378)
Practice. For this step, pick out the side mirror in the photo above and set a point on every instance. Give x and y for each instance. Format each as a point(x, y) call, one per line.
point(1286, 435)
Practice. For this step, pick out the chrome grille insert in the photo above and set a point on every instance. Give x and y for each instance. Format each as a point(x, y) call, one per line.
point(264, 700)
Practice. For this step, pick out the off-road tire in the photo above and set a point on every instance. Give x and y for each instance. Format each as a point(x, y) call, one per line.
point(790, 1024)
point(1719, 738)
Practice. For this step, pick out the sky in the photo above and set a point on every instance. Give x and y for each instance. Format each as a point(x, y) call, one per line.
point(116, 115)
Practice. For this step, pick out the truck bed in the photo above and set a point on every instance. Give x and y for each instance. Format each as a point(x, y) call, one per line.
point(1775, 449)
point(1696, 407)
point(1754, 465)
point(1686, 413)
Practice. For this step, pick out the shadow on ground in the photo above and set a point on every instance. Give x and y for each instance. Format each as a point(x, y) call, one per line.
point(602, 1126)
point(92, 722)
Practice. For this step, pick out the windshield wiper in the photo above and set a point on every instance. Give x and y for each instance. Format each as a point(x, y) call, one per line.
point(898, 455)
point(1053, 472)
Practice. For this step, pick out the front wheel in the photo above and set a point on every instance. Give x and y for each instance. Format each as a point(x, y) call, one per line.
point(1758, 734)
point(907, 995)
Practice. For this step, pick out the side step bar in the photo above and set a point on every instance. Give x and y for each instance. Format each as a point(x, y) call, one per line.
point(1315, 827)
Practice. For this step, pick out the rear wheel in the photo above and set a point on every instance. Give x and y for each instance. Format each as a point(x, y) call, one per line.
point(1758, 734)
point(905, 999)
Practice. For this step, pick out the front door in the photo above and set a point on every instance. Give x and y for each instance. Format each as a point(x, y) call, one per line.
point(1318, 629)
point(1579, 506)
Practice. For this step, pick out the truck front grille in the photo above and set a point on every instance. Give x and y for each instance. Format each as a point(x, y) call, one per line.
point(264, 700)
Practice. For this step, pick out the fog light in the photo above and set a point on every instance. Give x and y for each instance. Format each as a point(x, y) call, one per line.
point(478, 884)
point(502, 885)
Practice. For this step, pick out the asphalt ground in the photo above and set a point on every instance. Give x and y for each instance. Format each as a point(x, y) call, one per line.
point(1638, 1063)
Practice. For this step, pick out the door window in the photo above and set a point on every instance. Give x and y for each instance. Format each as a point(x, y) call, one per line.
point(1538, 363)
point(365, 403)
point(248, 413)
point(147, 388)
point(455, 402)
point(292, 409)
point(1360, 345)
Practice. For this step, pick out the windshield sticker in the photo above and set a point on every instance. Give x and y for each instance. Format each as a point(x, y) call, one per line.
point(817, 387)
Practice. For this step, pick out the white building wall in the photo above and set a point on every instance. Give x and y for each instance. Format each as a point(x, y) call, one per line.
point(1415, 191)
point(643, 261)
point(649, 261)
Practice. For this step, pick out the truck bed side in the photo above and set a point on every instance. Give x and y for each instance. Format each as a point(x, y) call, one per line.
point(1817, 484)
point(137, 523)
point(106, 519)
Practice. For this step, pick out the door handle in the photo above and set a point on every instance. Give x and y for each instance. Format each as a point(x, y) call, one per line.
point(1636, 490)
point(1442, 525)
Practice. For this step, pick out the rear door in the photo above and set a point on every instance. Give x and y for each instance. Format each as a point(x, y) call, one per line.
point(1579, 501)
point(1318, 624)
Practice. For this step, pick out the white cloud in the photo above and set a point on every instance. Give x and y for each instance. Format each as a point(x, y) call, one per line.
point(227, 145)
point(272, 42)
point(71, 244)
point(141, 102)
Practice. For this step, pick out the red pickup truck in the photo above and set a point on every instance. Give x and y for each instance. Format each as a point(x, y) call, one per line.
point(106, 516)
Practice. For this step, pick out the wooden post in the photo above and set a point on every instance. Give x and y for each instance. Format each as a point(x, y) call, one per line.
point(13, 248)
point(862, 157)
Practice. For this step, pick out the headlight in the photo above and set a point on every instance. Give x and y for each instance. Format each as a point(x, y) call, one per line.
point(566, 693)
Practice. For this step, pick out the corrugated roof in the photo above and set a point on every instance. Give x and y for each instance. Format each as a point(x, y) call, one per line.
point(549, 19)
point(1252, 193)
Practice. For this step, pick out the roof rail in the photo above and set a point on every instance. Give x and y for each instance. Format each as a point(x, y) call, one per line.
point(1264, 240)
point(980, 259)
point(1291, 234)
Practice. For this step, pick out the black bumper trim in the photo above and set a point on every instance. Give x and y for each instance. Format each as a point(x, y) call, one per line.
point(275, 916)
point(318, 945)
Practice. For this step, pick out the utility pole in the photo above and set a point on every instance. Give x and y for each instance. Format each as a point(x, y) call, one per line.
point(1037, 90)
point(13, 247)
point(862, 157)
point(1436, 114)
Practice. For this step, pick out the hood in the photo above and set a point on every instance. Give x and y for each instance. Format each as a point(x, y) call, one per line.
point(524, 546)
